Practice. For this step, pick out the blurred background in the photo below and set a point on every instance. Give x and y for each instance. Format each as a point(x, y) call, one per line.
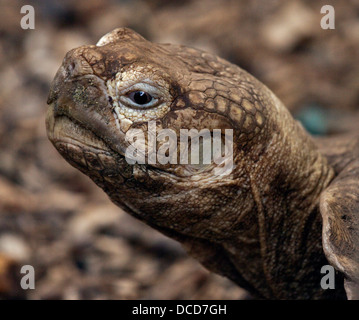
point(55, 219)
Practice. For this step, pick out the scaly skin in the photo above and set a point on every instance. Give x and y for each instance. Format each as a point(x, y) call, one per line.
point(260, 225)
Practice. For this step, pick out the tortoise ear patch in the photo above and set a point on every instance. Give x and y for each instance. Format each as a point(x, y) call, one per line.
point(119, 34)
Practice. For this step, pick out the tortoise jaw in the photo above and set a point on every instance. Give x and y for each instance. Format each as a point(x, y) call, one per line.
point(61, 128)
point(82, 148)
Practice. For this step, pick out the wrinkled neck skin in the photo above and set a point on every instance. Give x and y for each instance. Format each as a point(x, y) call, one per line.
point(275, 249)
point(284, 252)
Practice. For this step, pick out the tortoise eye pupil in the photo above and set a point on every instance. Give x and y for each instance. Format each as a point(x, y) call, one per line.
point(140, 97)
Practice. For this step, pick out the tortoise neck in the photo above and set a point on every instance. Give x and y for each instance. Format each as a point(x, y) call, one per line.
point(286, 184)
point(299, 173)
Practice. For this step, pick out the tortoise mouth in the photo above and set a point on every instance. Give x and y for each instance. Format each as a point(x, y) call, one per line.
point(81, 147)
point(64, 129)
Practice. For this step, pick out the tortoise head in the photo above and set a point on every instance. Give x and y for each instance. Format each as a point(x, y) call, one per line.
point(120, 109)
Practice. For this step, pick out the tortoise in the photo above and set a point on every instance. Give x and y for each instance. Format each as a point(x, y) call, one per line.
point(287, 206)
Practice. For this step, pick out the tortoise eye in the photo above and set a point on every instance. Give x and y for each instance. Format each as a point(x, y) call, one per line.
point(140, 97)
